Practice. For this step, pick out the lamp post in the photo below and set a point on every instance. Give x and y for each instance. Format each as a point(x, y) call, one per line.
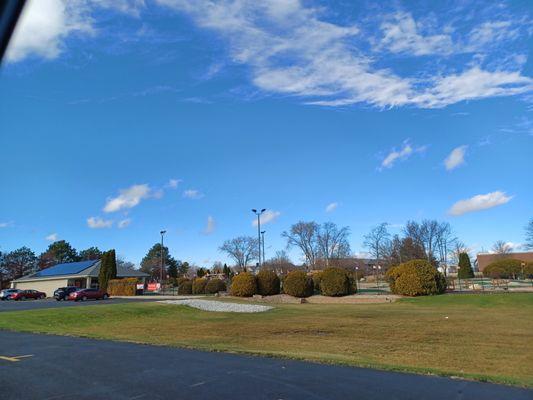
point(379, 273)
point(162, 262)
point(263, 242)
point(356, 279)
point(258, 213)
point(459, 278)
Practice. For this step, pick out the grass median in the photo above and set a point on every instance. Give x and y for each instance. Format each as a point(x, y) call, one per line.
point(482, 337)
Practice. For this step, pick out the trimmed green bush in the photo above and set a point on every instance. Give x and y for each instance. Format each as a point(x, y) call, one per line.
point(504, 269)
point(185, 287)
point(416, 278)
point(214, 286)
point(317, 278)
point(268, 283)
point(198, 286)
point(298, 284)
point(335, 282)
point(465, 267)
point(243, 285)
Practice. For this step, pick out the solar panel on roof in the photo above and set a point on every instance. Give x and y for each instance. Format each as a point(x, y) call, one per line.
point(66, 268)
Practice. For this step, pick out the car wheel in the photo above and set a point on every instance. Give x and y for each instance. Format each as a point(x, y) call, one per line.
point(83, 298)
point(41, 297)
point(105, 297)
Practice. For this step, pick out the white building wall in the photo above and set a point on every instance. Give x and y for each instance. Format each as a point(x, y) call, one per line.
point(47, 286)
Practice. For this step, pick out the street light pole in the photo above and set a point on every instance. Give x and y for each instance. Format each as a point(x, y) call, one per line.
point(258, 213)
point(263, 242)
point(162, 262)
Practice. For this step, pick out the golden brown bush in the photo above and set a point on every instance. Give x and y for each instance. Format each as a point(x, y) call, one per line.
point(298, 284)
point(267, 283)
point(244, 285)
point(122, 287)
point(198, 286)
point(416, 278)
point(335, 282)
point(214, 286)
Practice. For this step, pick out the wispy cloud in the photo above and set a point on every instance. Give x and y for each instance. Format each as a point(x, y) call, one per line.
point(193, 194)
point(455, 158)
point(124, 223)
point(173, 183)
point(210, 226)
point(128, 198)
point(52, 237)
point(331, 207)
point(479, 202)
point(6, 224)
point(98, 223)
point(406, 151)
point(266, 217)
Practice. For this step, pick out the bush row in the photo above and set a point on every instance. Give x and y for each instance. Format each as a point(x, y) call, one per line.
point(122, 287)
point(201, 286)
point(508, 268)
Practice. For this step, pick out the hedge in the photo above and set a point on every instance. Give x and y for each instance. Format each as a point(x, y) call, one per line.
point(335, 282)
point(504, 268)
point(268, 283)
point(198, 286)
point(317, 278)
point(244, 285)
point(185, 287)
point(528, 271)
point(122, 287)
point(214, 286)
point(416, 278)
point(298, 284)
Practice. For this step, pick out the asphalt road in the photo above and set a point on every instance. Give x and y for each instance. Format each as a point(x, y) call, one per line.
point(11, 305)
point(67, 367)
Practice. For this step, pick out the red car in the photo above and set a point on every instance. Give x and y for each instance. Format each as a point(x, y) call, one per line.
point(86, 294)
point(27, 294)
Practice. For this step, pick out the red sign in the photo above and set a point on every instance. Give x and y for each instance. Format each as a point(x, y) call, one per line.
point(154, 287)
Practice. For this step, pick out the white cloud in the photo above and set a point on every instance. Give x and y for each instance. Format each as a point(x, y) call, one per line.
point(6, 224)
point(52, 237)
point(267, 216)
point(193, 194)
point(124, 223)
point(97, 223)
point(331, 207)
point(404, 153)
point(128, 198)
point(211, 225)
point(291, 50)
point(173, 183)
point(455, 158)
point(401, 34)
point(479, 202)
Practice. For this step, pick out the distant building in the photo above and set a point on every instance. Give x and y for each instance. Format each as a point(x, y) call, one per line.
point(485, 259)
point(83, 274)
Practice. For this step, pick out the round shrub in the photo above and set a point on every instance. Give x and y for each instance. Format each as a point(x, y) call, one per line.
point(198, 286)
point(243, 285)
point(267, 283)
point(416, 278)
point(335, 282)
point(185, 287)
point(298, 284)
point(214, 286)
point(504, 268)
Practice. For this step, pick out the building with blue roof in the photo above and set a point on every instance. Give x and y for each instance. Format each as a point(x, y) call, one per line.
point(82, 274)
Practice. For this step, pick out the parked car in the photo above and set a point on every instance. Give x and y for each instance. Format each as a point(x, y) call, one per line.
point(86, 294)
point(6, 293)
point(27, 294)
point(62, 293)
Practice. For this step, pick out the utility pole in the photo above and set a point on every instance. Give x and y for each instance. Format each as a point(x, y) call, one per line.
point(258, 213)
point(162, 257)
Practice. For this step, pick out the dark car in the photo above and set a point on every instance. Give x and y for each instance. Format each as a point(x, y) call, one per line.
point(62, 293)
point(86, 294)
point(6, 293)
point(28, 294)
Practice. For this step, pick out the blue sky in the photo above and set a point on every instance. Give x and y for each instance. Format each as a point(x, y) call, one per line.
point(120, 118)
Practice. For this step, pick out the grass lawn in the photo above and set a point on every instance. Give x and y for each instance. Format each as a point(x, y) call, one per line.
point(484, 337)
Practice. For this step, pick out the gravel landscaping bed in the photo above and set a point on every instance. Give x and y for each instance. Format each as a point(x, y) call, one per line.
point(219, 306)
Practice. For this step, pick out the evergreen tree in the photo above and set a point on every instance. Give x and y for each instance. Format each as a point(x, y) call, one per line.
point(92, 253)
point(151, 263)
point(465, 267)
point(57, 253)
point(108, 269)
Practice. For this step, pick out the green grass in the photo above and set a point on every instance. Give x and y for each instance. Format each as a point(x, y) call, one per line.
point(482, 337)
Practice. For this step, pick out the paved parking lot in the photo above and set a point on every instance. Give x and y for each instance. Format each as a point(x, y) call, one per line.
point(51, 303)
point(55, 367)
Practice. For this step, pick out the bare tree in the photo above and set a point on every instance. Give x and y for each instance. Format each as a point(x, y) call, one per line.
point(501, 247)
point(529, 235)
point(333, 241)
point(377, 241)
point(304, 235)
point(431, 235)
point(280, 263)
point(242, 250)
